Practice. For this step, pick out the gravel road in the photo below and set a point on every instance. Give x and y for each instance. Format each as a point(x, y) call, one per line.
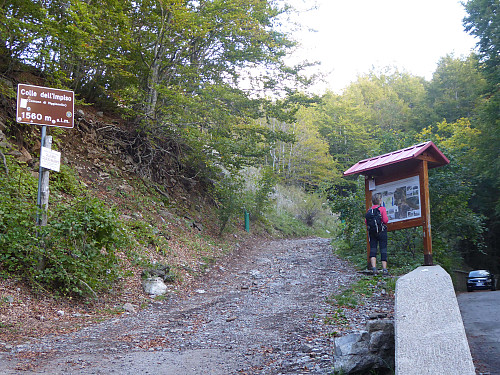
point(263, 311)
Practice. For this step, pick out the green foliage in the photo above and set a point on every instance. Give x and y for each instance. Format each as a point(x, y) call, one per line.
point(365, 287)
point(143, 231)
point(229, 199)
point(288, 210)
point(348, 201)
point(309, 210)
point(287, 225)
point(66, 180)
point(78, 248)
point(295, 207)
point(345, 123)
point(380, 103)
point(345, 299)
point(17, 216)
point(262, 198)
point(406, 249)
point(337, 318)
point(458, 231)
point(351, 297)
point(73, 254)
point(302, 158)
point(483, 22)
point(455, 89)
point(174, 68)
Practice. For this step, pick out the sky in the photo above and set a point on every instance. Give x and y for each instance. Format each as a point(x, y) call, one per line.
point(351, 37)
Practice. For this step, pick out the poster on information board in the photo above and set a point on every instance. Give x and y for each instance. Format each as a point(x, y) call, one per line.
point(401, 199)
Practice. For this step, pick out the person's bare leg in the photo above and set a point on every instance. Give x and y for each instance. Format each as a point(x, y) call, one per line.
point(373, 261)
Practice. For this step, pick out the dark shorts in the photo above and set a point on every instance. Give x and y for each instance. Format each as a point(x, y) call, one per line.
point(378, 240)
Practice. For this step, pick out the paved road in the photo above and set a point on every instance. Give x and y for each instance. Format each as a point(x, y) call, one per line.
point(481, 316)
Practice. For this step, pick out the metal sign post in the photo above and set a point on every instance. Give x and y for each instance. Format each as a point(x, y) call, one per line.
point(40, 172)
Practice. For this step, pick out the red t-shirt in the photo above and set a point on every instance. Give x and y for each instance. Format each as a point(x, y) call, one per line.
point(383, 212)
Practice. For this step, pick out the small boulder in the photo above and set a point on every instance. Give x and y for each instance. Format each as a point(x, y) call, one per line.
point(154, 286)
point(128, 307)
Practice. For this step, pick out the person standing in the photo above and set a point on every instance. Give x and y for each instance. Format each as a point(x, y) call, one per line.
point(376, 220)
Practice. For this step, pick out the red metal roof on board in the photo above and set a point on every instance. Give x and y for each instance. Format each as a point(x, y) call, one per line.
point(399, 156)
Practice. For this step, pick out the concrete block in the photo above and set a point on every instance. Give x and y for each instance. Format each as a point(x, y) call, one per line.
point(429, 332)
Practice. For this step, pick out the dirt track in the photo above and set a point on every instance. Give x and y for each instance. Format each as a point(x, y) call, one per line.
point(262, 312)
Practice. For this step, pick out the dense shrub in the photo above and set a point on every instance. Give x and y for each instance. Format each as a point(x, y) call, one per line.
point(73, 254)
point(227, 198)
point(298, 213)
point(79, 248)
point(17, 218)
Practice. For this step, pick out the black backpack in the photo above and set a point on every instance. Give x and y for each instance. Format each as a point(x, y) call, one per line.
point(374, 220)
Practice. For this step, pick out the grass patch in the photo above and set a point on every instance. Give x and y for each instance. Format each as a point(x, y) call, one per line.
point(363, 288)
point(337, 318)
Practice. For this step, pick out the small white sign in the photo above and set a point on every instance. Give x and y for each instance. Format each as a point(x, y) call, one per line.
point(50, 159)
point(371, 185)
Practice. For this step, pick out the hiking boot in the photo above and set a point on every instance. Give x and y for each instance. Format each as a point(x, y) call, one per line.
point(385, 272)
point(374, 271)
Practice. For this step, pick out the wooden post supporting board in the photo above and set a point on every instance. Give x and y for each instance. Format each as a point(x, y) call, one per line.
point(426, 212)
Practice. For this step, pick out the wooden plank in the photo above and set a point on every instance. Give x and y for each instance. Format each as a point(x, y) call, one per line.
point(405, 224)
point(368, 195)
point(427, 157)
point(426, 213)
point(380, 180)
